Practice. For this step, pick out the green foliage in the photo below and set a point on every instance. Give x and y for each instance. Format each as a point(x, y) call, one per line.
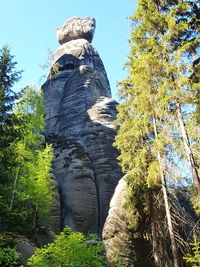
point(8, 121)
point(34, 160)
point(55, 69)
point(70, 249)
point(195, 203)
point(164, 45)
point(8, 77)
point(9, 257)
point(10, 129)
point(28, 190)
point(164, 42)
point(194, 258)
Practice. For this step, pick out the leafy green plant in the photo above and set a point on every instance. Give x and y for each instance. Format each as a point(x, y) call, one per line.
point(9, 257)
point(194, 258)
point(195, 203)
point(70, 249)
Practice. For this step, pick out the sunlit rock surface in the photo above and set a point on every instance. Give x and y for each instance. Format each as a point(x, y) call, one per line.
point(79, 124)
point(76, 28)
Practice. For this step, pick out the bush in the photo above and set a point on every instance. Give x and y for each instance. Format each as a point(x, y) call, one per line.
point(70, 249)
point(9, 257)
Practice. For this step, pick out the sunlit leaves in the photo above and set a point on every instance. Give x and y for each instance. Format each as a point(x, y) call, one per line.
point(28, 187)
point(69, 249)
point(34, 159)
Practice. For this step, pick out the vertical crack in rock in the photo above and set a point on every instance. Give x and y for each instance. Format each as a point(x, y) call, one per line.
point(79, 123)
point(97, 195)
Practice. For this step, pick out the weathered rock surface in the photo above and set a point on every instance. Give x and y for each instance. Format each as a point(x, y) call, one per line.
point(55, 209)
point(117, 238)
point(26, 249)
point(76, 28)
point(79, 116)
point(121, 243)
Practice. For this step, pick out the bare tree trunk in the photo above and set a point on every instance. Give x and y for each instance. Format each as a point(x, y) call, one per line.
point(155, 244)
point(35, 211)
point(188, 151)
point(14, 188)
point(166, 203)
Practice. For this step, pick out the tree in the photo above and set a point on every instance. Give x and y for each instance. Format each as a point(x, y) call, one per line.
point(180, 40)
point(158, 96)
point(30, 192)
point(34, 156)
point(8, 77)
point(9, 124)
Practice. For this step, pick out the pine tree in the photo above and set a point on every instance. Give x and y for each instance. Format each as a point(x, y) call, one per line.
point(8, 77)
point(182, 42)
point(9, 123)
point(158, 96)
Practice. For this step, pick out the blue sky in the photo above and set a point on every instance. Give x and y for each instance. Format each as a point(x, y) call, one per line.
point(29, 26)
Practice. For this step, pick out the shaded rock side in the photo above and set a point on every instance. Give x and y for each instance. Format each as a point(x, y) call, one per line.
point(122, 245)
point(26, 249)
point(55, 209)
point(79, 124)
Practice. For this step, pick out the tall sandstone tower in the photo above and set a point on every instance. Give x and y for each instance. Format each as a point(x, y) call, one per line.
point(79, 125)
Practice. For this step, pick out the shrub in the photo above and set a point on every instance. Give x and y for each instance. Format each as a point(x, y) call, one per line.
point(70, 249)
point(9, 257)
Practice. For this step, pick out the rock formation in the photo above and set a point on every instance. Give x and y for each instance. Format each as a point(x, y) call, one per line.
point(123, 245)
point(76, 28)
point(79, 124)
point(116, 235)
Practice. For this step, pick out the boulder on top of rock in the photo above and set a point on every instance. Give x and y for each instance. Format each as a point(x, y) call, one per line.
point(76, 28)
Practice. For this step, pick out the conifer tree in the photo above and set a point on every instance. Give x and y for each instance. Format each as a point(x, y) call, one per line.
point(182, 42)
point(9, 123)
point(8, 77)
point(157, 94)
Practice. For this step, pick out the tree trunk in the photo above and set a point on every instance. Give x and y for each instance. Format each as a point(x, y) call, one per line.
point(14, 188)
point(155, 245)
point(35, 212)
point(166, 203)
point(188, 151)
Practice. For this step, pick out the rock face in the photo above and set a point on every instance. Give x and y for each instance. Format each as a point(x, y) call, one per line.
point(79, 124)
point(26, 249)
point(117, 237)
point(123, 245)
